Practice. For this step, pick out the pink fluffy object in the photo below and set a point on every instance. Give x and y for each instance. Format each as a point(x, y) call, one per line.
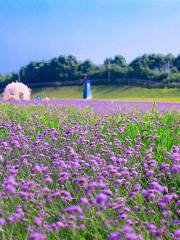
point(16, 91)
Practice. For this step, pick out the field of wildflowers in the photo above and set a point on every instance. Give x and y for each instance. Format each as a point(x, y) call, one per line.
point(89, 170)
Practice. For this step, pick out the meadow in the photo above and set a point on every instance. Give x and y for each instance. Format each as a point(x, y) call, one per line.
point(123, 93)
point(89, 170)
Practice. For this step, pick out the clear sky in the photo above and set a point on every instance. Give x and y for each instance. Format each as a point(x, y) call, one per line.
point(32, 30)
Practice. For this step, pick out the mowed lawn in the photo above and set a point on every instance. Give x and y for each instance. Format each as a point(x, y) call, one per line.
point(124, 93)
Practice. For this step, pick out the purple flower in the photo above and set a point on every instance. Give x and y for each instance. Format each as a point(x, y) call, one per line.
point(165, 166)
point(101, 198)
point(176, 234)
point(131, 236)
point(73, 209)
point(37, 236)
point(175, 168)
point(157, 186)
point(83, 200)
point(176, 221)
point(136, 208)
point(115, 236)
point(149, 173)
point(48, 179)
point(166, 213)
point(176, 157)
point(2, 221)
point(127, 229)
point(152, 212)
point(81, 181)
point(63, 176)
point(38, 221)
point(10, 189)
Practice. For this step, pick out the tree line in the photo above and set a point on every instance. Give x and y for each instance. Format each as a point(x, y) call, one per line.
point(153, 70)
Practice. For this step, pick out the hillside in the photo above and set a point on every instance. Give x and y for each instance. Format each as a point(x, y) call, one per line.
point(111, 92)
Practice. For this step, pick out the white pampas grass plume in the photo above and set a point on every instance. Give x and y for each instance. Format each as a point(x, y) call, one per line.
point(16, 91)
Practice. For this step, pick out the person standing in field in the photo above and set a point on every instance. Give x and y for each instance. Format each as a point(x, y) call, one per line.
point(86, 88)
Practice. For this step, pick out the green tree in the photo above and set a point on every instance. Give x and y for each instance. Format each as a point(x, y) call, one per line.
point(177, 62)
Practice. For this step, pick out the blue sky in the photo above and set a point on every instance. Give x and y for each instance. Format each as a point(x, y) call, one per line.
point(33, 30)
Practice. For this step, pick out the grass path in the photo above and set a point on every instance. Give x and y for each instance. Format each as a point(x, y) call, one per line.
point(124, 93)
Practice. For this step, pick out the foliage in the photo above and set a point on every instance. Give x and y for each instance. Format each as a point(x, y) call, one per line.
point(148, 70)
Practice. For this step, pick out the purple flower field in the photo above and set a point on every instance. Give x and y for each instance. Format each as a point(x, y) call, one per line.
point(89, 170)
point(107, 106)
